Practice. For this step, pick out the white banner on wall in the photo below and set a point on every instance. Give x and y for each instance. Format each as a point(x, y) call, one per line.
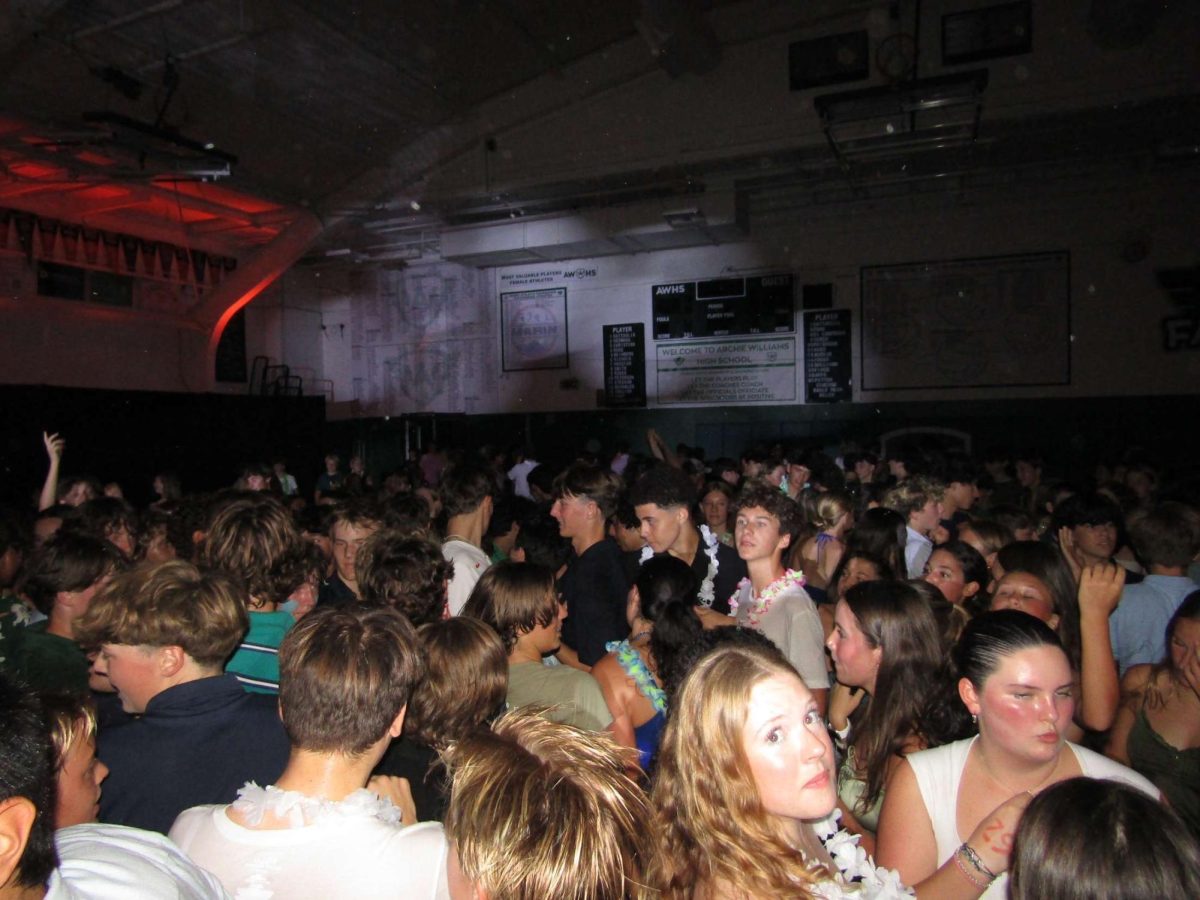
point(422, 341)
point(534, 330)
point(756, 370)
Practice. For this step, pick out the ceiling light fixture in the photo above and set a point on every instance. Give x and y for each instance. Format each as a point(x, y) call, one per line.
point(893, 119)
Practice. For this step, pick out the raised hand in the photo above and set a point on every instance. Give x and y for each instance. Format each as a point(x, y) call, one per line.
point(1100, 588)
point(54, 447)
point(1066, 542)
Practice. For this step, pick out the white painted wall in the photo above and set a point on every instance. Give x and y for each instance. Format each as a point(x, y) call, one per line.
point(1116, 305)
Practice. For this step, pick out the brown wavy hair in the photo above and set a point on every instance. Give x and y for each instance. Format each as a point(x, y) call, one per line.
point(466, 681)
point(255, 539)
point(513, 598)
point(715, 830)
point(406, 572)
point(173, 604)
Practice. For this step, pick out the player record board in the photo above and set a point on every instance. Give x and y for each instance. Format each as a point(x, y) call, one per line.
point(724, 307)
point(625, 365)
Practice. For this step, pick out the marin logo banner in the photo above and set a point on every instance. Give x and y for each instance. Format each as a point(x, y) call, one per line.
point(534, 327)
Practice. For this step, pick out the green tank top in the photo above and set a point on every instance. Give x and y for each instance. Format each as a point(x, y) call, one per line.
point(1175, 772)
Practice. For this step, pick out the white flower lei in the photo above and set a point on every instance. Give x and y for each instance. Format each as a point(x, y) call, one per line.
point(299, 809)
point(761, 605)
point(707, 592)
point(858, 876)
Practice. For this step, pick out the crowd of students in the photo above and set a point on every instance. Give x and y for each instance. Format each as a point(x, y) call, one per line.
point(481, 675)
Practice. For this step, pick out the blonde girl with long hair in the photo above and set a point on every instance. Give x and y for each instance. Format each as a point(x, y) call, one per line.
point(745, 789)
point(831, 514)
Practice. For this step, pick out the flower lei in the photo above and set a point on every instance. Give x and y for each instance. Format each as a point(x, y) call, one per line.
point(631, 662)
point(858, 876)
point(761, 605)
point(707, 593)
point(299, 809)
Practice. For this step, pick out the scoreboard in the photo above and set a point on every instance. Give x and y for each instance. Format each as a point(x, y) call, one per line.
point(720, 307)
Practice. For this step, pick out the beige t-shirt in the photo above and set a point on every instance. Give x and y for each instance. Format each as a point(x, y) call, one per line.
point(794, 626)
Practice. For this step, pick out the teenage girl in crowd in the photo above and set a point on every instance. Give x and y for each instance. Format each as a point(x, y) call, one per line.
point(661, 620)
point(832, 514)
point(1017, 684)
point(888, 656)
point(745, 789)
point(1157, 731)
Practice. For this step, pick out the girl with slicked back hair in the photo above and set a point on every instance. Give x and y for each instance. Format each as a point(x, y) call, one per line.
point(662, 620)
point(1017, 684)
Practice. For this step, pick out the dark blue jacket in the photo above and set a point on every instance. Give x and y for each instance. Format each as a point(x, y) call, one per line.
point(196, 743)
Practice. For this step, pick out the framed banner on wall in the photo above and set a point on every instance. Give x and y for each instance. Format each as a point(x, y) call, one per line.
point(533, 330)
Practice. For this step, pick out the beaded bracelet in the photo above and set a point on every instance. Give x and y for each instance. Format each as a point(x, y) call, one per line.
point(974, 859)
point(966, 873)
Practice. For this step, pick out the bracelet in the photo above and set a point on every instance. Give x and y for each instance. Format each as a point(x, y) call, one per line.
point(974, 859)
point(966, 873)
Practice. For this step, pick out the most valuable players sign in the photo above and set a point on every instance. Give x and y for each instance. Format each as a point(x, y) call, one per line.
point(759, 370)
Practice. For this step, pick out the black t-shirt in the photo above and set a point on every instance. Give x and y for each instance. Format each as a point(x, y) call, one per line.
point(426, 776)
point(731, 569)
point(595, 590)
point(335, 592)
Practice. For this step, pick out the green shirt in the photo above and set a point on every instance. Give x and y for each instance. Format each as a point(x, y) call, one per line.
point(575, 697)
point(46, 662)
point(256, 660)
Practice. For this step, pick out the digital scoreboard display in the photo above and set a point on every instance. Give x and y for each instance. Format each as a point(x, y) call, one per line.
point(721, 307)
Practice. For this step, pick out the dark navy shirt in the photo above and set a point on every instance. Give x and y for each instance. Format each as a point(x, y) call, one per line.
point(197, 743)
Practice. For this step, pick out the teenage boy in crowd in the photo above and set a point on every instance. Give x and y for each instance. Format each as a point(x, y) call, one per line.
point(467, 502)
point(919, 500)
point(317, 831)
point(594, 586)
point(85, 860)
point(1088, 527)
point(773, 599)
point(1167, 539)
point(962, 491)
point(331, 480)
point(350, 527)
point(61, 577)
point(663, 498)
point(164, 635)
point(256, 540)
point(519, 602)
